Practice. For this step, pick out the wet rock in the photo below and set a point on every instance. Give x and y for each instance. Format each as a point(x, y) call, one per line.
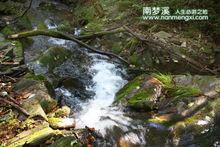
point(54, 56)
point(140, 93)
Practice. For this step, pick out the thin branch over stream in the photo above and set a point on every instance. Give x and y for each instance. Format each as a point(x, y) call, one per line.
point(57, 34)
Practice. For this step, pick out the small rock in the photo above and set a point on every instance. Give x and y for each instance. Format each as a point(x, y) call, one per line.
point(202, 122)
point(183, 44)
point(162, 35)
point(3, 93)
point(62, 123)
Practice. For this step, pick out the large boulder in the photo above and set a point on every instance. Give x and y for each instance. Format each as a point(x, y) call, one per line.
point(37, 96)
point(141, 93)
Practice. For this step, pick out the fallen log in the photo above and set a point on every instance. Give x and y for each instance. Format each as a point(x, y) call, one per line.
point(33, 137)
point(57, 34)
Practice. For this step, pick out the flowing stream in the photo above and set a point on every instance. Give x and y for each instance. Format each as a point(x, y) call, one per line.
point(98, 79)
point(98, 112)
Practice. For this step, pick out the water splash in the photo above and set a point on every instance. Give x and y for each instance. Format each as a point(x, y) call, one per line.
point(107, 82)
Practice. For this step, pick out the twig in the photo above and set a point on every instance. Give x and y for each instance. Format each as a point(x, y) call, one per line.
point(15, 71)
point(157, 44)
point(15, 106)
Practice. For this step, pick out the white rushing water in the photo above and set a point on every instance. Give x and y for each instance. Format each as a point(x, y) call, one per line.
point(98, 112)
point(107, 81)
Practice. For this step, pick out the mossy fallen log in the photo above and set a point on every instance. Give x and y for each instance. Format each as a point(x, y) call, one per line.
point(34, 136)
point(57, 34)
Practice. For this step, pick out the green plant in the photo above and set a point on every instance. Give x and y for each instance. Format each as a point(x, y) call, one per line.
point(165, 79)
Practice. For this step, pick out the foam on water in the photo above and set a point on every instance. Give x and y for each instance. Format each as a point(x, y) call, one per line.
point(107, 81)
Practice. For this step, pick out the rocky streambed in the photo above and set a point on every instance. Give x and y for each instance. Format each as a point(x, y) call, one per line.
point(70, 93)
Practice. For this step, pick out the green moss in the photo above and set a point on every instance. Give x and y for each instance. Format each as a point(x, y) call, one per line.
point(185, 91)
point(48, 105)
point(135, 59)
point(95, 26)
point(129, 87)
point(42, 26)
point(31, 76)
point(54, 120)
point(140, 97)
point(176, 91)
point(116, 48)
point(84, 12)
point(65, 26)
point(24, 23)
point(8, 30)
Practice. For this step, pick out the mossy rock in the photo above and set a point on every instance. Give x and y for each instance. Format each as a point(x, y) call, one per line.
point(54, 56)
point(140, 93)
point(34, 85)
